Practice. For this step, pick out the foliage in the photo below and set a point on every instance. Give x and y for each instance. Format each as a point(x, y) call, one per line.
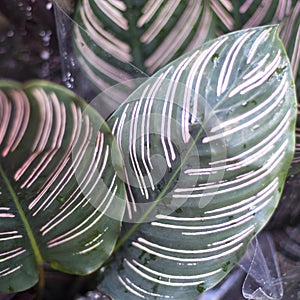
point(206, 144)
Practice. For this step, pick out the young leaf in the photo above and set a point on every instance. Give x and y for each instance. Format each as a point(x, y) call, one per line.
point(60, 197)
point(207, 143)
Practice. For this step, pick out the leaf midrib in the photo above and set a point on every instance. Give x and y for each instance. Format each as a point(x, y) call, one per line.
point(30, 234)
point(136, 49)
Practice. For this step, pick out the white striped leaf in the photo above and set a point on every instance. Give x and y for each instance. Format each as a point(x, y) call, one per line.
point(57, 184)
point(290, 35)
point(114, 35)
point(207, 143)
point(233, 15)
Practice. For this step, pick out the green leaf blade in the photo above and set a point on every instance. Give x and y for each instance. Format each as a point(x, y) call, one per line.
point(58, 162)
point(222, 118)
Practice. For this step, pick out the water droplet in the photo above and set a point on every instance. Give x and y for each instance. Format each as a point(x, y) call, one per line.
point(255, 127)
point(215, 58)
point(201, 287)
point(10, 33)
point(252, 207)
point(65, 54)
point(68, 80)
point(45, 55)
point(49, 5)
point(72, 62)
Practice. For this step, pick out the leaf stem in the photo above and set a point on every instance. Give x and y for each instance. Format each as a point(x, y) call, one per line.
point(37, 254)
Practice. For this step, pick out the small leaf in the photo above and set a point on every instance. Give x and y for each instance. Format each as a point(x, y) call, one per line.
point(61, 200)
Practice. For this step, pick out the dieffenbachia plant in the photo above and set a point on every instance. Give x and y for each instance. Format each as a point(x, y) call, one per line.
point(207, 143)
point(61, 200)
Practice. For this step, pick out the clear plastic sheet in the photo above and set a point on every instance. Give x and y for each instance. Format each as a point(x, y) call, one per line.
point(263, 276)
point(257, 278)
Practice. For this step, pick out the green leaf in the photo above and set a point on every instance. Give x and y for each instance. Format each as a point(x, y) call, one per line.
point(61, 200)
point(233, 15)
point(207, 143)
point(113, 37)
point(290, 35)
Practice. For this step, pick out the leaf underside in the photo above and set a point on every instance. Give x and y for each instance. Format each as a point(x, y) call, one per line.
point(60, 198)
point(207, 142)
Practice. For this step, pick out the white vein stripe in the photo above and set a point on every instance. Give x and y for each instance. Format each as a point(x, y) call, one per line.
point(151, 7)
point(162, 282)
point(64, 213)
point(12, 255)
point(279, 131)
point(91, 247)
point(178, 277)
point(86, 226)
point(18, 125)
point(146, 166)
point(130, 289)
point(113, 13)
point(164, 16)
point(242, 220)
point(251, 178)
point(69, 173)
point(9, 271)
point(5, 114)
point(258, 78)
point(108, 42)
point(244, 125)
point(295, 60)
point(119, 136)
point(183, 259)
point(7, 215)
point(169, 101)
point(231, 241)
point(267, 191)
point(144, 291)
point(132, 149)
point(176, 37)
point(261, 38)
point(97, 62)
point(14, 237)
point(229, 62)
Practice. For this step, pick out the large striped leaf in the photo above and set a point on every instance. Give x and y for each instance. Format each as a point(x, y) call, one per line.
point(58, 186)
point(246, 14)
point(207, 143)
point(114, 35)
point(290, 35)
